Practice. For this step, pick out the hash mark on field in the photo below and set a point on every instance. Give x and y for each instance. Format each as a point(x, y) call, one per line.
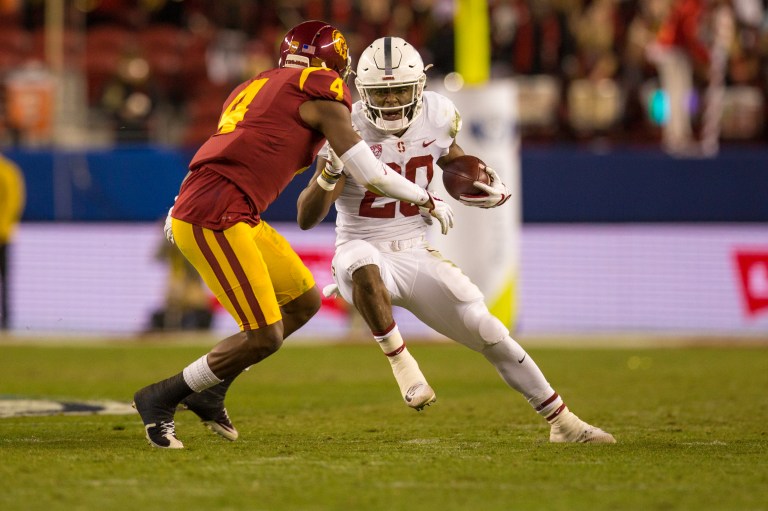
point(422, 441)
point(261, 461)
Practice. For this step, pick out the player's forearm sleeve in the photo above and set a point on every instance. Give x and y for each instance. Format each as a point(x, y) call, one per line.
point(364, 168)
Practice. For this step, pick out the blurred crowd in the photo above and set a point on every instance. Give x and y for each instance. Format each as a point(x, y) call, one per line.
point(615, 71)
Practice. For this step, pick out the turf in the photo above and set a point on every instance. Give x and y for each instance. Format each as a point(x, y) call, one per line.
point(323, 428)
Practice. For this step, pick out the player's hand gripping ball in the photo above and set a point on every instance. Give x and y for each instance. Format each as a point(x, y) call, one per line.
point(460, 174)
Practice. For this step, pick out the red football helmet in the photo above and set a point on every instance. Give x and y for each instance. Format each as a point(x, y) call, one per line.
point(315, 43)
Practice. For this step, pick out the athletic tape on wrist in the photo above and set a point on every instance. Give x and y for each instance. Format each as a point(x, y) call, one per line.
point(325, 185)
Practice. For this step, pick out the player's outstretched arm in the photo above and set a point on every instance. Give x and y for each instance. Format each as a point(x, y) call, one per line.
point(333, 120)
point(315, 200)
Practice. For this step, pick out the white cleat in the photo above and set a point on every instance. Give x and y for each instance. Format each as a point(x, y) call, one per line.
point(419, 396)
point(162, 435)
point(571, 429)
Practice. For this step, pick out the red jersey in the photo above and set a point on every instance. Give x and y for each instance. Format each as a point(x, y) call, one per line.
point(260, 144)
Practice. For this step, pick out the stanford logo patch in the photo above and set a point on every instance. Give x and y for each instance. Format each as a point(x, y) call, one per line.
point(376, 150)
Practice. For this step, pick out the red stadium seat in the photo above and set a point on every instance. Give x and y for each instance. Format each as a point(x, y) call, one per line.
point(15, 48)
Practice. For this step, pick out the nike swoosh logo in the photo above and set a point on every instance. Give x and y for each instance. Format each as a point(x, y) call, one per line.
point(521, 360)
point(425, 144)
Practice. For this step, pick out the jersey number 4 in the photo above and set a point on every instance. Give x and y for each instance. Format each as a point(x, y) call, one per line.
point(235, 111)
point(388, 210)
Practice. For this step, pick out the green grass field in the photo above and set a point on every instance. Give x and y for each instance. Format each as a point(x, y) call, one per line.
point(323, 428)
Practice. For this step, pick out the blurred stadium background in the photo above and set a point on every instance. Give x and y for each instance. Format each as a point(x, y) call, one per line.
point(102, 102)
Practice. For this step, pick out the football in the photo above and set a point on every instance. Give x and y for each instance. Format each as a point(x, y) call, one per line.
point(460, 174)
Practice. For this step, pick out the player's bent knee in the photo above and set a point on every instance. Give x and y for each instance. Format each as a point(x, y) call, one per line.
point(261, 343)
point(353, 255)
point(490, 330)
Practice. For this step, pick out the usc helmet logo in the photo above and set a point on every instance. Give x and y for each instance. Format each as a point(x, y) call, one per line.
point(340, 44)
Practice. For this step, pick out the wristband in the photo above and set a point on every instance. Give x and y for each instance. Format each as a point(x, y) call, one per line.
point(325, 185)
point(331, 177)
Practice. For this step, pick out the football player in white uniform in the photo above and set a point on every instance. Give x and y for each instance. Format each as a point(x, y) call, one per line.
point(382, 257)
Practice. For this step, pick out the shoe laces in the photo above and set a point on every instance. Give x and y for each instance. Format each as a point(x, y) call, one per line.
point(168, 428)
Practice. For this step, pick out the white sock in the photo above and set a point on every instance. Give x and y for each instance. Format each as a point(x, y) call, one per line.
point(404, 366)
point(520, 372)
point(552, 408)
point(199, 376)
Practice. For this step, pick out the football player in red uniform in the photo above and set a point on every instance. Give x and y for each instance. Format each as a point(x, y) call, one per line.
point(270, 130)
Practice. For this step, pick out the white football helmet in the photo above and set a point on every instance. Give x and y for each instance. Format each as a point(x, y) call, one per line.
point(390, 64)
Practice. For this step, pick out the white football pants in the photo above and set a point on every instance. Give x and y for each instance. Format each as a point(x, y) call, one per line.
point(422, 281)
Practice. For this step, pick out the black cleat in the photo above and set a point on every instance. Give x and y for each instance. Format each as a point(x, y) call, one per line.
point(159, 427)
point(211, 411)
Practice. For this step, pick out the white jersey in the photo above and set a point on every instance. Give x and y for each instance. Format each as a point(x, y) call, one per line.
point(362, 214)
point(371, 229)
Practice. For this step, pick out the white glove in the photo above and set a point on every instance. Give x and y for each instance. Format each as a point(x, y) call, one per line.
point(497, 192)
point(439, 210)
point(425, 216)
point(168, 229)
point(331, 290)
point(331, 172)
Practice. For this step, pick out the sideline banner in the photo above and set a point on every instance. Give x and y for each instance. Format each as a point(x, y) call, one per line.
point(485, 243)
point(577, 279)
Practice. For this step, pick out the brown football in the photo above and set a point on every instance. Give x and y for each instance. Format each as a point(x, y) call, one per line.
point(460, 174)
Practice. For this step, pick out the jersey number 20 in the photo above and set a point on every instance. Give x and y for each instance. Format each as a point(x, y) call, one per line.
point(368, 210)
